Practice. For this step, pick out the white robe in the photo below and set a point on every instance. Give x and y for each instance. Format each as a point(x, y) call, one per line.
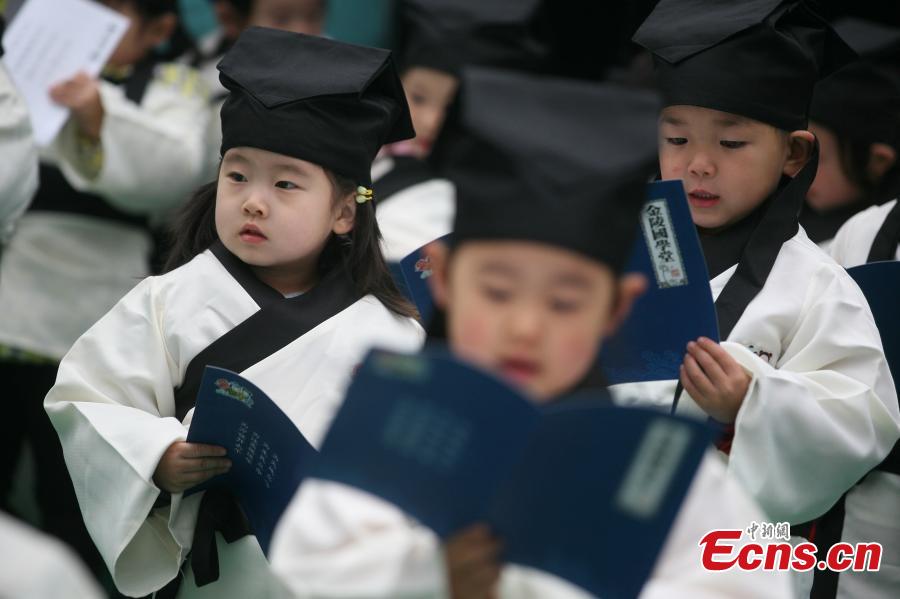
point(821, 409)
point(61, 272)
point(414, 216)
point(19, 167)
point(851, 248)
point(36, 566)
point(113, 407)
point(335, 541)
point(854, 239)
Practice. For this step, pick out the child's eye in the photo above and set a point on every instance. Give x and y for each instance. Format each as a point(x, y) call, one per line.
point(732, 145)
point(676, 141)
point(562, 306)
point(418, 99)
point(286, 185)
point(236, 177)
point(496, 294)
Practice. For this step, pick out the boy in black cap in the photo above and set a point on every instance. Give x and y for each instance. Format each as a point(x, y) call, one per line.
point(279, 277)
point(533, 283)
point(801, 380)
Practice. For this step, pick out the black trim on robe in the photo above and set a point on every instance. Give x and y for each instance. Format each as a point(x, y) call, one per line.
point(884, 246)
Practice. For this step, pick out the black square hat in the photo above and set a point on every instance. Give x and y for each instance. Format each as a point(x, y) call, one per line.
point(447, 34)
point(755, 58)
point(556, 161)
point(327, 102)
point(861, 102)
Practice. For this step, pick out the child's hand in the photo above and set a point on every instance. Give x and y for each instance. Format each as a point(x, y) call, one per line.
point(472, 566)
point(81, 95)
point(714, 379)
point(185, 465)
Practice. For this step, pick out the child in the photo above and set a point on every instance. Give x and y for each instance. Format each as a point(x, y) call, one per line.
point(282, 281)
point(416, 205)
point(131, 151)
point(802, 379)
point(531, 285)
point(441, 37)
point(855, 115)
point(18, 172)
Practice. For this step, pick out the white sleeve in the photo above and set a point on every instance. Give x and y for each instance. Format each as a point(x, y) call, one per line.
point(36, 566)
point(337, 541)
point(153, 155)
point(809, 429)
point(108, 404)
point(19, 166)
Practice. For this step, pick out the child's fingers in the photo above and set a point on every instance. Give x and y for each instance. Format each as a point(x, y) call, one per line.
point(201, 450)
point(720, 354)
point(708, 363)
point(190, 479)
point(205, 464)
point(478, 584)
point(697, 378)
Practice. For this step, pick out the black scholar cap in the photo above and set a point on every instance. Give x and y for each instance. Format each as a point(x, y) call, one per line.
point(754, 58)
point(550, 160)
point(319, 100)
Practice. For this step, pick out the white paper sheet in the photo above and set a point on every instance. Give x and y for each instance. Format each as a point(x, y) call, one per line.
point(52, 40)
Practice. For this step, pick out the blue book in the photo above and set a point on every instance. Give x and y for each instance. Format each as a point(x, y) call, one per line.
point(580, 488)
point(269, 455)
point(678, 305)
point(415, 270)
point(880, 283)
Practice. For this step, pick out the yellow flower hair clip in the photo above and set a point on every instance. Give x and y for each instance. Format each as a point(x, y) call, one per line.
point(363, 194)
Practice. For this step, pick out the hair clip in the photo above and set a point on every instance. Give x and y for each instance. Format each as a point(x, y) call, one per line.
point(363, 194)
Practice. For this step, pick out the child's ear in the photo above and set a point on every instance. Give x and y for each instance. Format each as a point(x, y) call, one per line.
point(346, 215)
point(881, 158)
point(438, 254)
point(800, 146)
point(630, 286)
point(160, 29)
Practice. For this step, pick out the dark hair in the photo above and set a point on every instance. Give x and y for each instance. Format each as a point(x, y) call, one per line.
point(854, 160)
point(193, 230)
point(181, 41)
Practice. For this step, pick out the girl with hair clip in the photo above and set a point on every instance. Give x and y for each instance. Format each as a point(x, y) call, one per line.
point(276, 273)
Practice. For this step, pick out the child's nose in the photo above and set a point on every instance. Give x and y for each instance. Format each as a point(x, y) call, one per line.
point(526, 322)
point(701, 165)
point(255, 205)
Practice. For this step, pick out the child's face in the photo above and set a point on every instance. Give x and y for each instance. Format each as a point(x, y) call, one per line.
point(275, 213)
point(428, 93)
point(531, 313)
point(299, 16)
point(831, 187)
point(729, 164)
point(142, 35)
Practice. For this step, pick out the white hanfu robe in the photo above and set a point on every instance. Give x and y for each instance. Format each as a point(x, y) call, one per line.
point(335, 541)
point(821, 409)
point(149, 160)
point(882, 489)
point(113, 406)
point(854, 240)
point(19, 167)
point(413, 216)
point(37, 566)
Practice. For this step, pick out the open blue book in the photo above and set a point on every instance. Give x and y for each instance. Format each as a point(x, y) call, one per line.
point(677, 307)
point(580, 488)
point(880, 283)
point(269, 455)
